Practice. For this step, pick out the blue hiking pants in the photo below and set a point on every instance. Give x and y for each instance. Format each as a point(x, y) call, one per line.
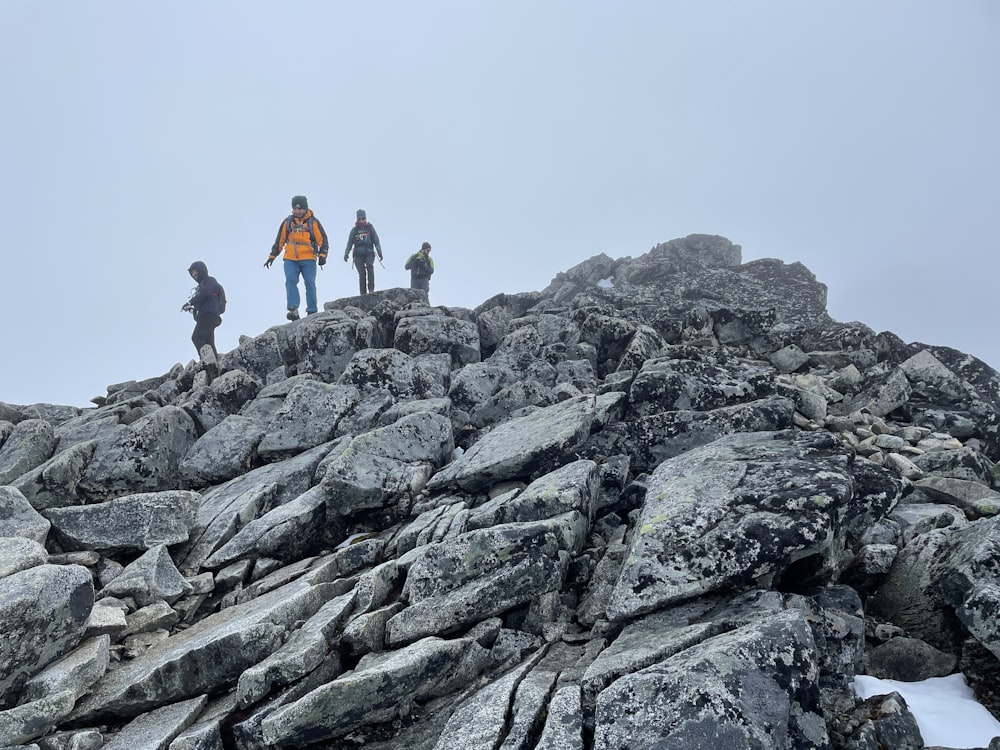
point(308, 270)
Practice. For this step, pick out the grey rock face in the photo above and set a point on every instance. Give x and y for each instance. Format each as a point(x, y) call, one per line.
point(42, 611)
point(18, 518)
point(18, 553)
point(157, 728)
point(30, 443)
point(910, 660)
point(696, 698)
point(563, 728)
point(29, 720)
point(53, 483)
point(374, 690)
point(942, 575)
point(307, 418)
point(974, 498)
point(668, 384)
point(529, 445)
point(480, 573)
point(257, 357)
point(210, 654)
point(573, 487)
point(145, 458)
point(752, 513)
point(430, 334)
point(392, 370)
point(665, 502)
point(302, 653)
point(151, 578)
point(132, 522)
point(228, 507)
point(288, 530)
point(387, 464)
point(668, 434)
point(476, 382)
point(324, 344)
point(225, 451)
point(481, 721)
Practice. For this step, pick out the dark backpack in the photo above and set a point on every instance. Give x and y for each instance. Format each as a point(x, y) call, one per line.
point(222, 299)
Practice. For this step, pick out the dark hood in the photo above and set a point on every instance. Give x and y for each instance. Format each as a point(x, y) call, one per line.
point(201, 268)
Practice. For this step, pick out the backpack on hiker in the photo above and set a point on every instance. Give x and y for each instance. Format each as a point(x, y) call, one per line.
point(222, 299)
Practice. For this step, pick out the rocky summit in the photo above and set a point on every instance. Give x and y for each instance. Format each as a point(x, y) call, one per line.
point(665, 502)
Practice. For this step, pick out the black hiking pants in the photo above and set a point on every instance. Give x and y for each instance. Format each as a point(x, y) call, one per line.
point(365, 263)
point(204, 331)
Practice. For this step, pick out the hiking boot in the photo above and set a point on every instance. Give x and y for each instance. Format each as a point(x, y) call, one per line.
point(293, 313)
point(207, 355)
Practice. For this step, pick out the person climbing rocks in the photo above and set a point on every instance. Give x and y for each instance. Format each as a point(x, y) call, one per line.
point(304, 241)
point(363, 240)
point(421, 267)
point(206, 304)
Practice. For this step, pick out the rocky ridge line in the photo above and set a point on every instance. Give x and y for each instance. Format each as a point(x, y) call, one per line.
point(667, 499)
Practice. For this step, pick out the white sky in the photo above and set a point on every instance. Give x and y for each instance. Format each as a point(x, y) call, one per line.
point(519, 138)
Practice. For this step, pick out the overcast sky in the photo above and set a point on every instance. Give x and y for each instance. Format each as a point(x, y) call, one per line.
point(519, 138)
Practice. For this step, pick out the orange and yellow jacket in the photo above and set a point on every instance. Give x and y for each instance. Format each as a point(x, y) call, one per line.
point(302, 239)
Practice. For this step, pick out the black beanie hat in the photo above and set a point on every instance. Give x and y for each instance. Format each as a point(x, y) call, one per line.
point(361, 214)
point(426, 246)
point(299, 201)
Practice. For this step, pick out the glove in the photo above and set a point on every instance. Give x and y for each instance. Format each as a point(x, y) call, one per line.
point(268, 262)
point(345, 259)
point(380, 257)
point(322, 260)
point(187, 307)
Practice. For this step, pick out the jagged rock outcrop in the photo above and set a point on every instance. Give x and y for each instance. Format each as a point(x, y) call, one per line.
point(666, 501)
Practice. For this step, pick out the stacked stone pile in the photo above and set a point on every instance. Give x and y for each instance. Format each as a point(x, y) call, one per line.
point(665, 502)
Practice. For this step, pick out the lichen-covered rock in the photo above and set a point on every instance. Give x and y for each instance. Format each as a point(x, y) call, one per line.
point(722, 515)
point(307, 418)
point(698, 697)
point(649, 517)
point(227, 508)
point(18, 518)
point(571, 487)
point(482, 573)
point(527, 446)
point(143, 458)
point(53, 483)
point(392, 370)
point(428, 334)
point(374, 690)
point(150, 578)
point(30, 443)
point(42, 612)
point(388, 463)
point(225, 451)
point(132, 522)
point(18, 553)
point(207, 657)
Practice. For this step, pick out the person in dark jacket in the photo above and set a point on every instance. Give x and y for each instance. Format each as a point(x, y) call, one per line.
point(363, 240)
point(205, 305)
point(421, 267)
point(304, 241)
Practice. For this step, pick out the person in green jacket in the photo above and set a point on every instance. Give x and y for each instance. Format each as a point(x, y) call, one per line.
point(421, 267)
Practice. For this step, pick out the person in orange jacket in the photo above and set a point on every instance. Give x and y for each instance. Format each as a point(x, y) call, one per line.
point(304, 241)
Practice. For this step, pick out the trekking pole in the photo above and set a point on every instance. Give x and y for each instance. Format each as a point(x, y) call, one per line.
point(380, 263)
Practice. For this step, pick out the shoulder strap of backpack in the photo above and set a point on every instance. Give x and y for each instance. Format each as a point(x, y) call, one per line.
point(288, 224)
